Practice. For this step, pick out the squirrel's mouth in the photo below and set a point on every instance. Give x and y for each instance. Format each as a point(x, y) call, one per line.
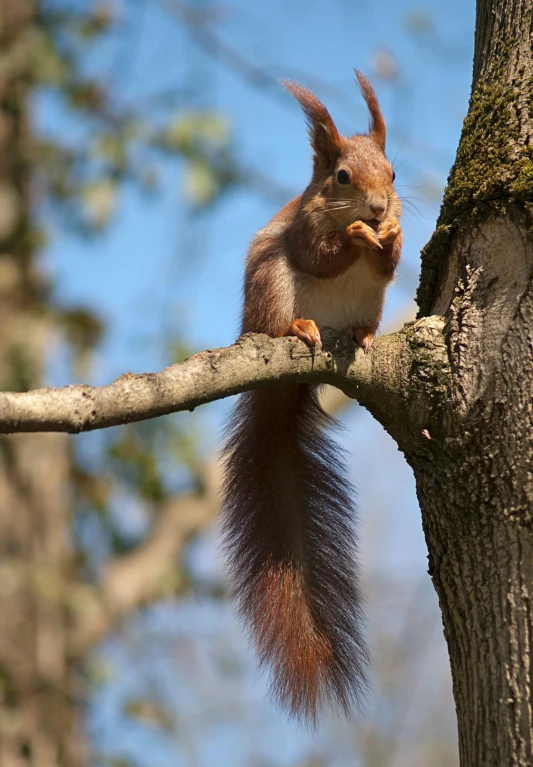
point(373, 223)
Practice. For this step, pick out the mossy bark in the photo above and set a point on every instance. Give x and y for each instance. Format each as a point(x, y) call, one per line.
point(493, 170)
point(475, 485)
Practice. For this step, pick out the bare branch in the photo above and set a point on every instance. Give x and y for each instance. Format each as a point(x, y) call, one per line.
point(200, 25)
point(146, 573)
point(376, 379)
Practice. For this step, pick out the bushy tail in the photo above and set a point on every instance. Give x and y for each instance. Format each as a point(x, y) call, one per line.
point(288, 527)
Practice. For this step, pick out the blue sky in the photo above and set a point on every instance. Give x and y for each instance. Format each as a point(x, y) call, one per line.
point(157, 269)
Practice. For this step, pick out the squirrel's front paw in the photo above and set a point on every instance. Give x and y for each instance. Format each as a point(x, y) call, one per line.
point(363, 235)
point(305, 330)
point(388, 231)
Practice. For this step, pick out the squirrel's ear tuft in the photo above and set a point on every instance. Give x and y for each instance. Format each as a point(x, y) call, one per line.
point(325, 138)
point(378, 130)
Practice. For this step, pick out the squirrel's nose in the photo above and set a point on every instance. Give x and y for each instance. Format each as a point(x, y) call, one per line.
point(377, 208)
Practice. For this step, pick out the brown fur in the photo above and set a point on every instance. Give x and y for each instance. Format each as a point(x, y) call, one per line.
point(378, 130)
point(324, 135)
point(288, 532)
point(288, 514)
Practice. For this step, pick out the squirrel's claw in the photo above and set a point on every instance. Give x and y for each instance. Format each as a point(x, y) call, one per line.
point(364, 337)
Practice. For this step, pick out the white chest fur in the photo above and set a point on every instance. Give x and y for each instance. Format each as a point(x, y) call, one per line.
point(354, 299)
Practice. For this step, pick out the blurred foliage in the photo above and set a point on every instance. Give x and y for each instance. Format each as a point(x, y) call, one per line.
point(80, 174)
point(203, 139)
point(150, 713)
point(420, 21)
point(116, 143)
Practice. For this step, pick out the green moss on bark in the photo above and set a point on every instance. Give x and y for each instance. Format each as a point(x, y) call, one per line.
point(493, 169)
point(430, 368)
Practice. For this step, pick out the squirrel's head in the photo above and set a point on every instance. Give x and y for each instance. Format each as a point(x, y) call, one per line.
point(352, 178)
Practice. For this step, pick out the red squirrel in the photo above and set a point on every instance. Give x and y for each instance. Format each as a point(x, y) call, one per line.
point(288, 514)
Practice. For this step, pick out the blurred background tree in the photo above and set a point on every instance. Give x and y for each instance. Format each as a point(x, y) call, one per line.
point(141, 145)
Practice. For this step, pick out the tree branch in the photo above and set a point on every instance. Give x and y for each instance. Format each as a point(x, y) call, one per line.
point(146, 573)
point(379, 380)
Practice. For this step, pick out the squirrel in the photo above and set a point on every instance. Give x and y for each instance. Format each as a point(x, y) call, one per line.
point(288, 513)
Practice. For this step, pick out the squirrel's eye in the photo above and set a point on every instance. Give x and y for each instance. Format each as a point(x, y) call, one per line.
point(393, 175)
point(343, 177)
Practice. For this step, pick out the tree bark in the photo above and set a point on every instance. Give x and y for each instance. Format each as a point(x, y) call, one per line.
point(475, 483)
point(37, 713)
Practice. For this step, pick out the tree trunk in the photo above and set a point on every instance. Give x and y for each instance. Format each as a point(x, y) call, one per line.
point(37, 722)
point(473, 468)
